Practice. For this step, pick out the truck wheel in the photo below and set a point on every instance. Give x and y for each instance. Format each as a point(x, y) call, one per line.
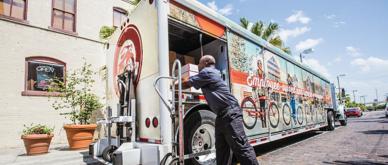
point(107, 153)
point(200, 134)
point(330, 121)
point(344, 122)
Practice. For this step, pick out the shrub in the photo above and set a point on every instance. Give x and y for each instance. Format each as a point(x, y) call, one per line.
point(106, 32)
point(76, 94)
point(37, 129)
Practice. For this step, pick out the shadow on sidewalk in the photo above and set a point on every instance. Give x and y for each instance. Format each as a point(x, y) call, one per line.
point(355, 162)
point(89, 160)
point(373, 132)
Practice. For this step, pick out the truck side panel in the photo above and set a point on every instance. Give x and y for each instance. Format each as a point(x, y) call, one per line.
point(294, 98)
point(136, 40)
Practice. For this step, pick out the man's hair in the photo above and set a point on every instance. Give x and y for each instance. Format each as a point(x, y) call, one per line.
point(207, 60)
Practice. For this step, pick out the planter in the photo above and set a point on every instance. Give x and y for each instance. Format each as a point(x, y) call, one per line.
point(79, 136)
point(37, 143)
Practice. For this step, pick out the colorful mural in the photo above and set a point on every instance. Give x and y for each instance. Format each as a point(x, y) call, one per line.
point(273, 92)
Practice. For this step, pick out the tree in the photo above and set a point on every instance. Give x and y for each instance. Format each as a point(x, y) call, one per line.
point(244, 23)
point(268, 33)
point(349, 103)
point(77, 94)
point(107, 31)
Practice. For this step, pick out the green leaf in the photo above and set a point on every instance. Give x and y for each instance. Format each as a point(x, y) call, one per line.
point(257, 28)
point(106, 32)
point(244, 23)
point(134, 2)
point(270, 30)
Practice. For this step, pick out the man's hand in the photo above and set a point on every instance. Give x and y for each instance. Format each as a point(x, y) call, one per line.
point(185, 83)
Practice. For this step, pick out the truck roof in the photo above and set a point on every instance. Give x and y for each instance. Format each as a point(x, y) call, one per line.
point(211, 14)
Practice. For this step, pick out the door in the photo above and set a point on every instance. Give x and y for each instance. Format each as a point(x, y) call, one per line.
point(136, 42)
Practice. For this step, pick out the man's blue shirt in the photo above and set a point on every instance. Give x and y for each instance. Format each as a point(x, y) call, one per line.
point(216, 91)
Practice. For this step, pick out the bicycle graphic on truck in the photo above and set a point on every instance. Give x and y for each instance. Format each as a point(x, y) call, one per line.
point(254, 108)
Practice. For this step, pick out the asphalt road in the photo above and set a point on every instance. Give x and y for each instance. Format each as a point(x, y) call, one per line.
point(363, 141)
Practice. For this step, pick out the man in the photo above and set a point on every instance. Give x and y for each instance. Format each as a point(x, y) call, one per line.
point(230, 133)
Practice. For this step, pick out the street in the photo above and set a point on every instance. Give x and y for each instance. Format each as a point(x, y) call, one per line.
point(363, 141)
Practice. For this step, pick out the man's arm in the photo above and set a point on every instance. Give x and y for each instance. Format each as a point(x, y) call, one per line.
point(196, 81)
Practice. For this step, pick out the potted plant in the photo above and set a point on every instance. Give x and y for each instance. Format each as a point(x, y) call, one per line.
point(77, 96)
point(37, 138)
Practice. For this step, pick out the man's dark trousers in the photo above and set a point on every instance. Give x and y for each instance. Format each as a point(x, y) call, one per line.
point(230, 135)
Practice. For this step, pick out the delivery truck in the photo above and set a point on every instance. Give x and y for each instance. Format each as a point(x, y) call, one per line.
point(160, 36)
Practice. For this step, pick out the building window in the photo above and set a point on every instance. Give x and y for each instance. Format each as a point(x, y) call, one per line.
point(119, 16)
point(40, 72)
point(64, 15)
point(13, 8)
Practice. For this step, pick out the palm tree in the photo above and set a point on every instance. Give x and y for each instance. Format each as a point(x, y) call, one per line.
point(268, 33)
point(244, 23)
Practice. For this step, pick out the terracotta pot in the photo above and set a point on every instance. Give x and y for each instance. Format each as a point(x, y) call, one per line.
point(37, 143)
point(79, 136)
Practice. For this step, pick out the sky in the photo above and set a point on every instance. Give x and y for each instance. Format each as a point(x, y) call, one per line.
point(348, 37)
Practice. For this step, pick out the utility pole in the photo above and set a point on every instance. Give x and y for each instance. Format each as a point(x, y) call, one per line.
point(377, 96)
point(306, 51)
point(354, 95)
point(363, 96)
point(339, 87)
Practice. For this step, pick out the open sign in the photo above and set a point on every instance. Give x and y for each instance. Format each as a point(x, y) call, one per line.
point(44, 68)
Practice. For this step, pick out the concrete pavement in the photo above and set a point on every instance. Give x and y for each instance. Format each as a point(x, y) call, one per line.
point(363, 141)
point(58, 155)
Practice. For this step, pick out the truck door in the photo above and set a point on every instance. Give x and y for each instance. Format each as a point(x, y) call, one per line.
point(136, 42)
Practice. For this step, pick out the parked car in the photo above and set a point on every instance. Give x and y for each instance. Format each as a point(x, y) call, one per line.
point(355, 111)
point(386, 110)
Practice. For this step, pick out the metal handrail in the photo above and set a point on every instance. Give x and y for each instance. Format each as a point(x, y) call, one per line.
point(165, 102)
point(175, 77)
point(178, 78)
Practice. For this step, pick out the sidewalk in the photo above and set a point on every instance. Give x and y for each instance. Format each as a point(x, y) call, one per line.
point(58, 155)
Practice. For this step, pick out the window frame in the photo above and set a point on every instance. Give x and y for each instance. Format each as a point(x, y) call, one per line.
point(24, 20)
point(43, 59)
point(120, 10)
point(74, 31)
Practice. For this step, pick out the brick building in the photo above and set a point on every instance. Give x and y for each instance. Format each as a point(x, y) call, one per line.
point(41, 38)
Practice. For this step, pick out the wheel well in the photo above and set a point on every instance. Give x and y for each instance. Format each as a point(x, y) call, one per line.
point(197, 107)
point(329, 109)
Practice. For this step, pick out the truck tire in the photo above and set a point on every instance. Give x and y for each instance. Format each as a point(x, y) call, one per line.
point(107, 153)
point(199, 136)
point(330, 121)
point(344, 122)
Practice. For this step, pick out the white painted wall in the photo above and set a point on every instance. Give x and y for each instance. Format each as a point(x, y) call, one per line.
point(19, 41)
